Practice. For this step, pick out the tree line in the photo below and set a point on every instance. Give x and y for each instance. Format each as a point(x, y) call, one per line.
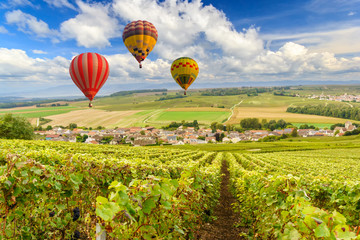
point(124, 93)
point(330, 110)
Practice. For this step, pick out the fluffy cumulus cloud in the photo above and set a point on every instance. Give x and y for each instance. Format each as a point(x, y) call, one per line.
point(15, 3)
point(191, 28)
point(92, 27)
point(60, 3)
point(29, 24)
point(185, 29)
point(204, 33)
point(19, 67)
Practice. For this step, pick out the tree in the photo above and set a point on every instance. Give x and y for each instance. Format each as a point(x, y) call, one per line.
point(250, 123)
point(72, 126)
point(49, 127)
point(13, 127)
point(281, 124)
point(213, 126)
point(106, 139)
point(196, 125)
point(142, 132)
point(80, 138)
point(294, 133)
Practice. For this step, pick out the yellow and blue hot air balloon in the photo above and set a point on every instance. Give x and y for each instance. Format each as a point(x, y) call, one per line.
point(140, 38)
point(184, 70)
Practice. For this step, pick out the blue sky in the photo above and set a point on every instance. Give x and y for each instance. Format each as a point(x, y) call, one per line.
point(232, 41)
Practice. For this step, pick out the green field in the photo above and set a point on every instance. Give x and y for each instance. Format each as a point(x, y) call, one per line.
point(308, 188)
point(319, 125)
point(293, 144)
point(159, 113)
point(39, 112)
point(204, 117)
point(42, 109)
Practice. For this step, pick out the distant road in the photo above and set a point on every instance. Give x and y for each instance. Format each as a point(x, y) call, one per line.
point(154, 113)
point(232, 109)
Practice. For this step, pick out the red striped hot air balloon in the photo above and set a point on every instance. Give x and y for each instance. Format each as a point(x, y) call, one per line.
point(89, 71)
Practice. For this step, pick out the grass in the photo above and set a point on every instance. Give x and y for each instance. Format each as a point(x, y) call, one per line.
point(268, 106)
point(42, 114)
point(42, 109)
point(200, 116)
point(319, 125)
point(193, 99)
point(145, 110)
point(294, 144)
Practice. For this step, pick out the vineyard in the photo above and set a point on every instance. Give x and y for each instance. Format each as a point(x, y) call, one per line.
point(59, 190)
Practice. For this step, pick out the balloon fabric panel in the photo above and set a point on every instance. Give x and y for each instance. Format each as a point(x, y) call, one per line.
point(89, 72)
point(184, 70)
point(140, 38)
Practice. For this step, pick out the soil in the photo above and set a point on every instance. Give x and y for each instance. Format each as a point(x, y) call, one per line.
point(223, 228)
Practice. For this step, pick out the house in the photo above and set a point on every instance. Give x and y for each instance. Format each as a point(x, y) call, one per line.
point(288, 130)
point(179, 143)
point(226, 140)
point(340, 129)
point(144, 140)
point(135, 129)
point(210, 139)
point(349, 126)
point(303, 132)
point(279, 131)
point(171, 139)
point(235, 139)
point(115, 141)
point(52, 137)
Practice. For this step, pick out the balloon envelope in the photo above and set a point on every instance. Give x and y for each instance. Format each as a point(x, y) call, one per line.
point(89, 71)
point(140, 38)
point(184, 70)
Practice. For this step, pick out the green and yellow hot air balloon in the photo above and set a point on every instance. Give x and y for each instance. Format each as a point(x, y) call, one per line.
point(140, 38)
point(184, 70)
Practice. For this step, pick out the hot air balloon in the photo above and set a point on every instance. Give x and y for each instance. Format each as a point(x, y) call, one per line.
point(184, 70)
point(89, 72)
point(140, 38)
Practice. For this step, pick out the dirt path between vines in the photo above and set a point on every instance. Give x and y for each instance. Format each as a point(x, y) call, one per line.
point(223, 227)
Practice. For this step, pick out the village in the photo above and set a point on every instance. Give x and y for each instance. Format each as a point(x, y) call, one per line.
point(143, 136)
point(342, 98)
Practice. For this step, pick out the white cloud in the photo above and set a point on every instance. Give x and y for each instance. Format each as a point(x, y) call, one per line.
point(38, 51)
point(29, 24)
point(332, 6)
point(16, 65)
point(15, 3)
point(204, 33)
point(60, 3)
point(351, 13)
point(191, 29)
point(3, 29)
point(92, 27)
point(185, 26)
point(339, 41)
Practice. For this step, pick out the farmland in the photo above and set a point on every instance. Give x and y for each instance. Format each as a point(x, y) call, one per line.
point(268, 180)
point(140, 109)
